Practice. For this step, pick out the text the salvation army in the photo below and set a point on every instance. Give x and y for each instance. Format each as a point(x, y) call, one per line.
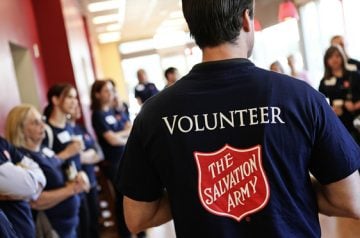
point(240, 180)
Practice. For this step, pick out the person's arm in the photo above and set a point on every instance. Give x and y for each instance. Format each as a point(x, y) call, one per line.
point(89, 156)
point(51, 198)
point(142, 215)
point(117, 138)
point(140, 102)
point(341, 198)
point(71, 149)
point(18, 182)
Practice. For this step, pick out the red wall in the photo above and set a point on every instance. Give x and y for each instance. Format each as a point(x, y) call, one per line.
point(53, 39)
point(17, 26)
point(78, 42)
point(57, 27)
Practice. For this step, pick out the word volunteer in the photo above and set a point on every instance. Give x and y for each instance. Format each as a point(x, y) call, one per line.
point(220, 120)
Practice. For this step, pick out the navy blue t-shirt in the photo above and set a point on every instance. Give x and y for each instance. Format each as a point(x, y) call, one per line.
point(89, 143)
point(18, 212)
point(64, 216)
point(6, 228)
point(233, 146)
point(62, 137)
point(104, 121)
point(145, 91)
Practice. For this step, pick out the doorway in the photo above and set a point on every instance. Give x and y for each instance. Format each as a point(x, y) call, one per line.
point(25, 76)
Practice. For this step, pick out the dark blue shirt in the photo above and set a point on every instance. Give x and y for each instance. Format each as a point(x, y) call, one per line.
point(104, 121)
point(61, 138)
point(6, 228)
point(343, 88)
point(89, 143)
point(63, 216)
point(233, 146)
point(18, 212)
point(145, 91)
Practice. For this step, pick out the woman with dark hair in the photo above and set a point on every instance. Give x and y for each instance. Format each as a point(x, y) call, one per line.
point(112, 131)
point(59, 200)
point(342, 87)
point(89, 157)
point(61, 138)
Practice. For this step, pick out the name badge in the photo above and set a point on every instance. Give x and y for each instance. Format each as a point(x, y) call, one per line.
point(110, 119)
point(140, 87)
point(64, 137)
point(330, 82)
point(49, 153)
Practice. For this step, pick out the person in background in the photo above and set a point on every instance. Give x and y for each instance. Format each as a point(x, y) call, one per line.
point(112, 132)
point(276, 67)
point(350, 63)
point(171, 76)
point(89, 157)
point(6, 228)
point(302, 75)
point(121, 108)
point(61, 138)
point(26, 130)
point(342, 87)
point(21, 180)
point(227, 150)
point(144, 89)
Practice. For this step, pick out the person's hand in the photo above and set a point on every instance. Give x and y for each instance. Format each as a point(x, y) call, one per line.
point(350, 106)
point(338, 110)
point(73, 148)
point(82, 182)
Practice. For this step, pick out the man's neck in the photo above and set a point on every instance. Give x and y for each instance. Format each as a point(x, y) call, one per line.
point(224, 51)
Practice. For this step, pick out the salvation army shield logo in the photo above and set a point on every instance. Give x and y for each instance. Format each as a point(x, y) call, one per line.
point(232, 181)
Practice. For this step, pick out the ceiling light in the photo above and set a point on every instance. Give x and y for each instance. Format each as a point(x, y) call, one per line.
point(105, 19)
point(113, 27)
point(103, 5)
point(109, 37)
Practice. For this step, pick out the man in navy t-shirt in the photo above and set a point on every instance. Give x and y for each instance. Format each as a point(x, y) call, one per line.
point(144, 90)
point(227, 151)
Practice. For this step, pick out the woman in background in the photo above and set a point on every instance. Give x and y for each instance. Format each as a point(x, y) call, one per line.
point(59, 200)
point(112, 130)
point(60, 137)
point(89, 157)
point(341, 87)
point(21, 180)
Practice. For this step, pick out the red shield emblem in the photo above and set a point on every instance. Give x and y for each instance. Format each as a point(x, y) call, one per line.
point(232, 182)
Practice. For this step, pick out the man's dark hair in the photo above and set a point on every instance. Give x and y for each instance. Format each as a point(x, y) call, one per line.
point(213, 22)
point(168, 71)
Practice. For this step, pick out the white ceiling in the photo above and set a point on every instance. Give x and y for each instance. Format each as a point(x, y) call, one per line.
point(144, 17)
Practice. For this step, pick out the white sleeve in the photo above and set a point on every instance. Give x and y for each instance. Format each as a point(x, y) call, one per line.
point(25, 180)
point(33, 168)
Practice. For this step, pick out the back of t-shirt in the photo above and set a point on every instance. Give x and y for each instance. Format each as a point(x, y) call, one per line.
point(233, 144)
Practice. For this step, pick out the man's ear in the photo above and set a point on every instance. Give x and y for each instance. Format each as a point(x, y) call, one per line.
point(246, 19)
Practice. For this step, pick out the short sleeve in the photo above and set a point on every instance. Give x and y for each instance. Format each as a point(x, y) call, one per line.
point(15, 154)
point(136, 176)
point(335, 155)
point(99, 124)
